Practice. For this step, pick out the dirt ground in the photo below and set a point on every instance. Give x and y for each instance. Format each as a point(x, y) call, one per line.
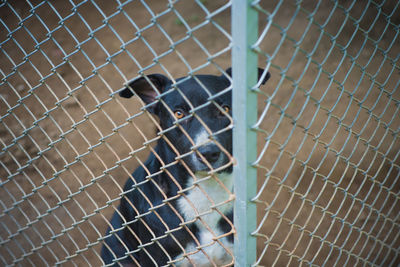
point(328, 130)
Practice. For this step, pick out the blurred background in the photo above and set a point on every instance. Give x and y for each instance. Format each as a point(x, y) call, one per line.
point(328, 128)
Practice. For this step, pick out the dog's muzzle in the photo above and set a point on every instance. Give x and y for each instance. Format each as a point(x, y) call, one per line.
point(211, 153)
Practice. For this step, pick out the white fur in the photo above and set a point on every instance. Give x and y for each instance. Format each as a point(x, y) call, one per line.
point(202, 138)
point(197, 203)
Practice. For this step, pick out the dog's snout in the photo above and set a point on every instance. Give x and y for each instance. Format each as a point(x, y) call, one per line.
point(210, 152)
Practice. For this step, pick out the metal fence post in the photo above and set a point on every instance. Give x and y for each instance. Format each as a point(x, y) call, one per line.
point(244, 65)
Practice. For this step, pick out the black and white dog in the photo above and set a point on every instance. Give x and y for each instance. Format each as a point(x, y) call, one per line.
point(176, 207)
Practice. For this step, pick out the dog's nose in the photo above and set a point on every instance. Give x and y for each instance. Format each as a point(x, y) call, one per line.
point(210, 152)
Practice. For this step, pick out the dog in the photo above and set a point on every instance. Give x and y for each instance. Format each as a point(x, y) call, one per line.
point(177, 207)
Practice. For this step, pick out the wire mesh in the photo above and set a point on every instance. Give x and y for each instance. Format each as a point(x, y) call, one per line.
point(69, 143)
point(327, 129)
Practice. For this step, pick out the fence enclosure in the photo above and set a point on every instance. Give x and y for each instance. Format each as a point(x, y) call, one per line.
point(316, 149)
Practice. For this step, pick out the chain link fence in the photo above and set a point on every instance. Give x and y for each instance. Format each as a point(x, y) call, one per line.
point(326, 186)
point(328, 128)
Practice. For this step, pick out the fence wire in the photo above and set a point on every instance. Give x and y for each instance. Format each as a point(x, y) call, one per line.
point(327, 159)
point(328, 127)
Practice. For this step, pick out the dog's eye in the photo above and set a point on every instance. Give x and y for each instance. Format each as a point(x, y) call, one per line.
point(226, 108)
point(179, 114)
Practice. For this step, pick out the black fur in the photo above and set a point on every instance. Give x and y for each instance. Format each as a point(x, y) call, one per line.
point(137, 230)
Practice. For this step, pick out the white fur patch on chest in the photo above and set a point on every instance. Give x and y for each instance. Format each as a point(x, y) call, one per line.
point(205, 194)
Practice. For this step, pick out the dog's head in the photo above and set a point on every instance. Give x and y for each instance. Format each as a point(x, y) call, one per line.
point(195, 114)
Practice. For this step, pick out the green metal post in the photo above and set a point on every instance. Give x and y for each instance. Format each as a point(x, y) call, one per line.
point(244, 73)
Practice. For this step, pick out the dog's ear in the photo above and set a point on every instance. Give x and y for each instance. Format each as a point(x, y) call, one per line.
point(260, 73)
point(267, 75)
point(146, 90)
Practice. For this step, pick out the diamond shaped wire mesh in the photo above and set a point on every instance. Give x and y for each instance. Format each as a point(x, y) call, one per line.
point(68, 143)
point(327, 128)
